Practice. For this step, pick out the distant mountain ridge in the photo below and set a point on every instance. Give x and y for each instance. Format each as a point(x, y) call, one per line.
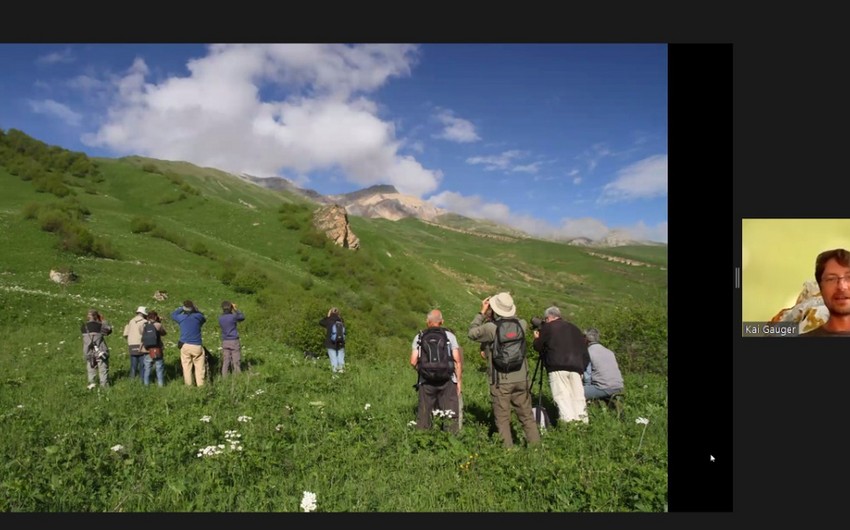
point(384, 201)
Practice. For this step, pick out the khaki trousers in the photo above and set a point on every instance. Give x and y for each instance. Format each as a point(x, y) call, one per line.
point(193, 355)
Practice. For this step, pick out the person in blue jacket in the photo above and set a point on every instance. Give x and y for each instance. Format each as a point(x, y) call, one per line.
point(191, 320)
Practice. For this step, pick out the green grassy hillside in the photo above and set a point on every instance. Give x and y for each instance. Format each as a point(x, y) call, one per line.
point(130, 227)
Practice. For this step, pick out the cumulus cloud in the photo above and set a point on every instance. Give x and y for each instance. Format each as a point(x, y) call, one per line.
point(476, 207)
point(55, 109)
point(456, 129)
point(322, 121)
point(642, 180)
point(62, 56)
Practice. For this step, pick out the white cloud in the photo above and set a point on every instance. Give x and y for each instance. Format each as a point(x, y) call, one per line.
point(500, 162)
point(641, 180)
point(53, 108)
point(534, 167)
point(592, 156)
point(215, 116)
point(641, 232)
point(456, 129)
point(478, 208)
point(62, 56)
point(577, 180)
point(86, 83)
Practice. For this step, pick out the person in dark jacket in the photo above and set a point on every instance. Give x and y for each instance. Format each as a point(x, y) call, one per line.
point(563, 349)
point(231, 346)
point(336, 353)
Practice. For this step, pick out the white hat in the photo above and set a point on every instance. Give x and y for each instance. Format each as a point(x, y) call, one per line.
point(143, 310)
point(503, 305)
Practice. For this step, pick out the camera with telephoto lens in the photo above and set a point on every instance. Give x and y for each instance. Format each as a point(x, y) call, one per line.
point(537, 323)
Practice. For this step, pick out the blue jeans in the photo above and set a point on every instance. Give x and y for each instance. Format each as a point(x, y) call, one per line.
point(337, 358)
point(593, 392)
point(137, 364)
point(160, 370)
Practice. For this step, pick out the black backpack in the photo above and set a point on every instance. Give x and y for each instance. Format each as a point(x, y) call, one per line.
point(338, 334)
point(436, 364)
point(509, 346)
point(150, 336)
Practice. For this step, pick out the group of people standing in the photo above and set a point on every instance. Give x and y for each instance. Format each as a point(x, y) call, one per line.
point(144, 333)
point(579, 369)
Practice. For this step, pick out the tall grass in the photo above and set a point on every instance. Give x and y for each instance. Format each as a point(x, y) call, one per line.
point(129, 448)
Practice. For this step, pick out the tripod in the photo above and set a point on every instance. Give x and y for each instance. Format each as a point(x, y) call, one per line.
point(535, 378)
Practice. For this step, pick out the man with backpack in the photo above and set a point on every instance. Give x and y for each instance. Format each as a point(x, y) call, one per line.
point(563, 350)
point(435, 356)
point(152, 347)
point(502, 339)
point(335, 339)
point(133, 335)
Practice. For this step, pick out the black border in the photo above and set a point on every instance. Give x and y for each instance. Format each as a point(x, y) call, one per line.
point(700, 378)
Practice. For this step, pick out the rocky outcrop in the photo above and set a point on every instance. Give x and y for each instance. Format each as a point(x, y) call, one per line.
point(62, 277)
point(386, 202)
point(618, 259)
point(333, 221)
point(160, 296)
point(809, 311)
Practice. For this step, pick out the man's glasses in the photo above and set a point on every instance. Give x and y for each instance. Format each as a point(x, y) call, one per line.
point(833, 279)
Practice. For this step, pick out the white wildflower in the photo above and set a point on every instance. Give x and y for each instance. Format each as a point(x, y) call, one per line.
point(117, 448)
point(645, 422)
point(92, 385)
point(20, 406)
point(278, 427)
point(244, 419)
point(206, 419)
point(308, 501)
point(367, 407)
point(210, 451)
point(411, 423)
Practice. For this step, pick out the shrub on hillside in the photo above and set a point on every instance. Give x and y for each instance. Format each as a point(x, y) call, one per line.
point(637, 334)
point(249, 280)
point(140, 225)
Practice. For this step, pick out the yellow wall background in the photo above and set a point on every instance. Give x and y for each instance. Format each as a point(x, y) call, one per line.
point(778, 255)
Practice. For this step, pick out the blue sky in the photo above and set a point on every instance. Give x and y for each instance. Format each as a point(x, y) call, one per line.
point(558, 140)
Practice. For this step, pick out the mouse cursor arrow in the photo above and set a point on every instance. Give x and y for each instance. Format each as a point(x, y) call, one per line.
point(711, 458)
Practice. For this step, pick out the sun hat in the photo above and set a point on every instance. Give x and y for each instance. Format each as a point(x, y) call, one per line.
point(143, 310)
point(503, 305)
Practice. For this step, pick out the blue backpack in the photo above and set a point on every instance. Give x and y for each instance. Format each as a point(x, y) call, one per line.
point(338, 334)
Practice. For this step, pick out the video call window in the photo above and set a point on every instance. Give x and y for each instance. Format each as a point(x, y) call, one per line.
point(780, 294)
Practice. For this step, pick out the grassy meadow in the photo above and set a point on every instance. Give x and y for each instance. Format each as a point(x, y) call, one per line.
point(132, 226)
